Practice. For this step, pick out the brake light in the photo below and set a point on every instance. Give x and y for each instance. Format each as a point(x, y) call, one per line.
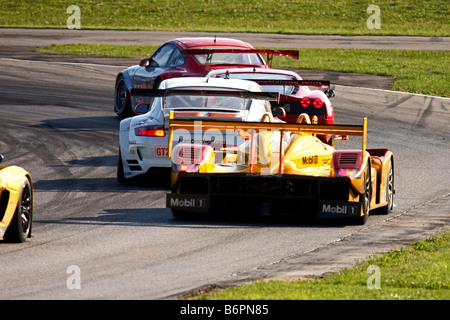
point(150, 131)
point(185, 167)
point(305, 102)
point(317, 103)
point(351, 173)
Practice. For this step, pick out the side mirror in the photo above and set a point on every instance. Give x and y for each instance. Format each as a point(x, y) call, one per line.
point(1, 158)
point(330, 93)
point(278, 112)
point(142, 108)
point(144, 63)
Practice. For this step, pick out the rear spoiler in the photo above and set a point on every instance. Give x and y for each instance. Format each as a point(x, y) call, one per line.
point(270, 53)
point(279, 53)
point(158, 93)
point(324, 129)
point(312, 83)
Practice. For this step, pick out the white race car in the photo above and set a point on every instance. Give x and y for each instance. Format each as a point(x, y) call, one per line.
point(144, 138)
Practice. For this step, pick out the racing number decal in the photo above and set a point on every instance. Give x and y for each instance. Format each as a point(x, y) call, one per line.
point(161, 151)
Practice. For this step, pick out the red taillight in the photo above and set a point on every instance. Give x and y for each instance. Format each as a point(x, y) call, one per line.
point(317, 103)
point(305, 102)
point(150, 131)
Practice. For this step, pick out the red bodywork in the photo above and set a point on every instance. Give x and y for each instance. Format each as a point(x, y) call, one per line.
point(189, 64)
point(187, 57)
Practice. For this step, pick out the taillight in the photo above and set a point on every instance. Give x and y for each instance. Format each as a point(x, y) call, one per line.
point(351, 173)
point(185, 167)
point(150, 131)
point(305, 102)
point(317, 103)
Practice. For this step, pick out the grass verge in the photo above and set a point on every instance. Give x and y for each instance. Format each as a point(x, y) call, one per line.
point(417, 272)
point(415, 71)
point(347, 17)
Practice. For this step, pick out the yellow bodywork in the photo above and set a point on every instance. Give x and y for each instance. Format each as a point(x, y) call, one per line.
point(11, 181)
point(270, 144)
point(274, 148)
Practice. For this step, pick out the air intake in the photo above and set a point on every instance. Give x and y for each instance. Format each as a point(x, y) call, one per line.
point(348, 159)
point(191, 154)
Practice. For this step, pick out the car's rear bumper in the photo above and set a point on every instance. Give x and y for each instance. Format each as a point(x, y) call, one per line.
point(254, 194)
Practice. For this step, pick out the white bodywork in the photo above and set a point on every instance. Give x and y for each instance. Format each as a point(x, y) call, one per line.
point(139, 154)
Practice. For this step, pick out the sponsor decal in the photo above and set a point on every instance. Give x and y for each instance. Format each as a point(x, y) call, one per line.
point(189, 202)
point(344, 209)
point(193, 141)
point(310, 160)
point(338, 208)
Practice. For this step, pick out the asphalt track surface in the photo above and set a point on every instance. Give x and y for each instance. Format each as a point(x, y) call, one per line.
point(57, 121)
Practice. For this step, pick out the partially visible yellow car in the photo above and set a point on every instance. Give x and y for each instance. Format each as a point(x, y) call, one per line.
point(16, 203)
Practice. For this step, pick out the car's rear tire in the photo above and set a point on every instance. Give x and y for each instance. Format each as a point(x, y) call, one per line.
point(122, 100)
point(20, 227)
point(389, 191)
point(365, 198)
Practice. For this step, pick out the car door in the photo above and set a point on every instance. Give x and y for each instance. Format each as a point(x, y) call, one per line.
point(145, 76)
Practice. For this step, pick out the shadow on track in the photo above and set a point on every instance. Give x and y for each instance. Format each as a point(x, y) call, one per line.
point(161, 217)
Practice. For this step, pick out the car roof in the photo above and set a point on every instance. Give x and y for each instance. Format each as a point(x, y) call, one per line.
point(208, 42)
point(211, 82)
point(253, 70)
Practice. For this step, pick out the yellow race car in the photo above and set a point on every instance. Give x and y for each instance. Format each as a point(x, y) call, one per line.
point(16, 203)
point(273, 168)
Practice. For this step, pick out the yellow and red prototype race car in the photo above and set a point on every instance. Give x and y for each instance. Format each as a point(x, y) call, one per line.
point(16, 203)
point(272, 168)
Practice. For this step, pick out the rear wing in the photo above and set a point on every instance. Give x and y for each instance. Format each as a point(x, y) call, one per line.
point(270, 53)
point(158, 93)
point(252, 127)
point(311, 83)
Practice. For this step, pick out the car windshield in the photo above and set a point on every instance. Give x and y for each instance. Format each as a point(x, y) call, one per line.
point(265, 76)
point(231, 58)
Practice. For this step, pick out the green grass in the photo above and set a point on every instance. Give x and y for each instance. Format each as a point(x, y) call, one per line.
point(104, 50)
point(416, 71)
point(406, 17)
point(417, 272)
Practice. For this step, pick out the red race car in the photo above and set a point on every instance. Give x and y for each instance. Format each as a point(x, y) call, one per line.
point(296, 97)
point(187, 57)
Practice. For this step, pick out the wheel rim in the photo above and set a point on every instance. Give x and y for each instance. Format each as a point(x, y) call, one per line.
point(121, 97)
point(25, 211)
